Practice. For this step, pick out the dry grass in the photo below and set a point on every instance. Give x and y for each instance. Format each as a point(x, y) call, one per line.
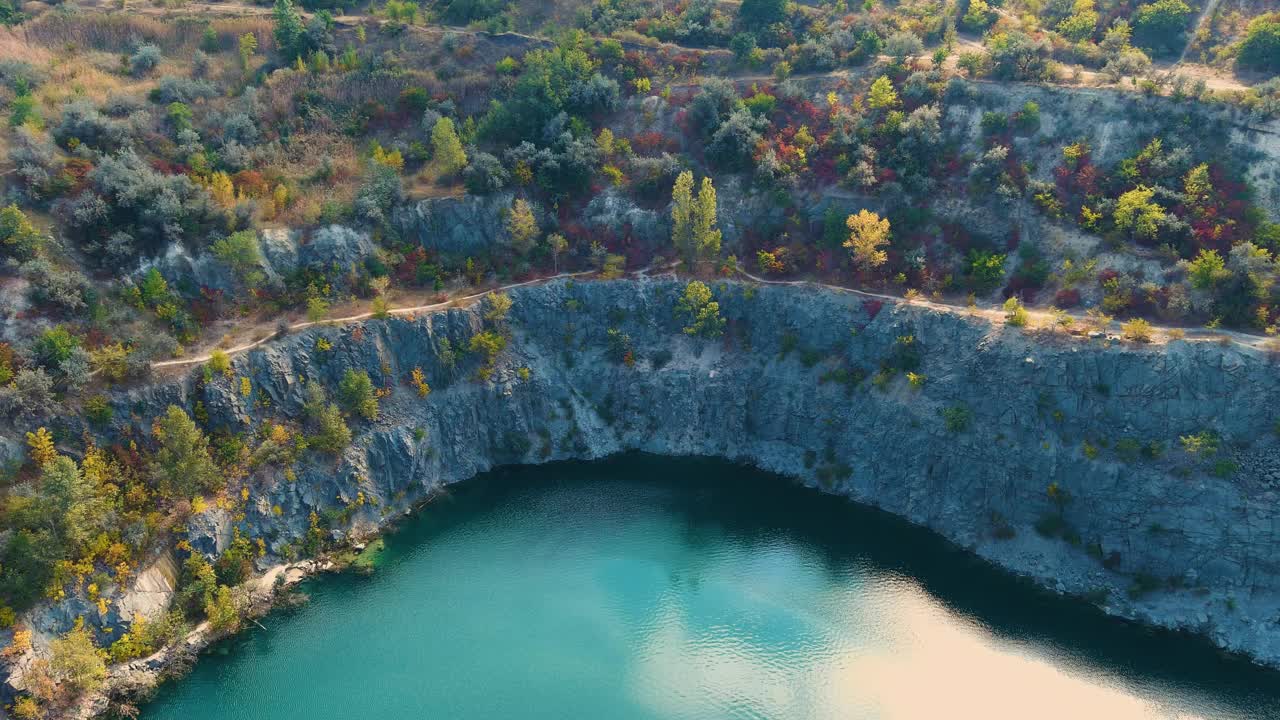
point(120, 32)
point(84, 76)
point(14, 46)
point(115, 32)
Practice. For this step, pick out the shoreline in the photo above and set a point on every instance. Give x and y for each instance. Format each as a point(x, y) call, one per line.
point(136, 681)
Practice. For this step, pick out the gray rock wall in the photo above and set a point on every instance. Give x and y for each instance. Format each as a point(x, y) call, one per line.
point(774, 393)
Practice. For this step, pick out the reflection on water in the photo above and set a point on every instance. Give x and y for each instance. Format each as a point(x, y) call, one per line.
point(648, 588)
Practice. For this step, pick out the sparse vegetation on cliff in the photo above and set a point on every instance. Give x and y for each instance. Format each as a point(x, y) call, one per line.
point(179, 185)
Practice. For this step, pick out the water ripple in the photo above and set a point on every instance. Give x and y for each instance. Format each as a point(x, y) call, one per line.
point(596, 591)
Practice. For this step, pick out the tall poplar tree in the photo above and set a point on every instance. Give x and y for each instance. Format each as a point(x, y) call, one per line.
point(682, 217)
point(706, 236)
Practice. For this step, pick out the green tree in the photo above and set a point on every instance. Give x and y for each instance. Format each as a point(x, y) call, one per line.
point(56, 345)
point(1136, 213)
point(550, 82)
point(759, 14)
point(77, 661)
point(1018, 56)
point(153, 288)
point(240, 251)
point(497, 305)
point(1197, 184)
point(62, 486)
point(488, 344)
point(18, 236)
point(332, 434)
point(68, 502)
point(23, 110)
point(1014, 313)
point(317, 308)
point(978, 17)
point(181, 464)
point(1260, 48)
point(289, 29)
point(179, 116)
point(1079, 26)
point(219, 363)
point(357, 396)
point(198, 583)
point(1160, 25)
point(222, 610)
point(1207, 270)
point(700, 311)
point(984, 269)
point(450, 158)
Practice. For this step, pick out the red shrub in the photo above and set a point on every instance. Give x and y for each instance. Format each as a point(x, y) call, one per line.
point(649, 143)
point(1067, 298)
point(251, 183)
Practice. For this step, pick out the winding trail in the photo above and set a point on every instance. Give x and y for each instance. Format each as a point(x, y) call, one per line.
point(994, 315)
point(1042, 318)
point(366, 315)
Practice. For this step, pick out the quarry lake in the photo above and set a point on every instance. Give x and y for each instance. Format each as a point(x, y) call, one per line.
point(642, 587)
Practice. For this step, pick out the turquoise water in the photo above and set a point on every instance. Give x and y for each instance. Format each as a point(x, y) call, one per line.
point(643, 588)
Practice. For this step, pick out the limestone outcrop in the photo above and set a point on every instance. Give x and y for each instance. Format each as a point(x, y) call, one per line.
point(1056, 458)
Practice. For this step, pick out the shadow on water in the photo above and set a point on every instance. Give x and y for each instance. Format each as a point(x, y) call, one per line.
point(711, 500)
point(715, 496)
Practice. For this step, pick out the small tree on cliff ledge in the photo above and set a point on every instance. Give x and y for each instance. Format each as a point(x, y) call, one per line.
point(700, 311)
point(182, 463)
point(356, 395)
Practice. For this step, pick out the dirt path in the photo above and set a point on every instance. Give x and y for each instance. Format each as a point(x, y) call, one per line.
point(1038, 318)
point(368, 314)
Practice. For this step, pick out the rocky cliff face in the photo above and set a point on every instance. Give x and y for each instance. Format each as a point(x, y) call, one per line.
point(1003, 435)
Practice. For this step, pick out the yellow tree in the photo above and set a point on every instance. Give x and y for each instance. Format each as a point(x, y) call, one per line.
point(41, 444)
point(706, 236)
point(1136, 212)
point(248, 46)
point(882, 94)
point(605, 142)
point(1199, 187)
point(449, 155)
point(701, 311)
point(222, 189)
point(522, 226)
point(868, 233)
point(279, 199)
point(682, 213)
point(558, 245)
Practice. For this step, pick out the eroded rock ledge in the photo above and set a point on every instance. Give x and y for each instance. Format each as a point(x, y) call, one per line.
point(1134, 523)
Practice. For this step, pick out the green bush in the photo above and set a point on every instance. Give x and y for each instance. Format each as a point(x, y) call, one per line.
point(956, 418)
point(1260, 49)
point(357, 396)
